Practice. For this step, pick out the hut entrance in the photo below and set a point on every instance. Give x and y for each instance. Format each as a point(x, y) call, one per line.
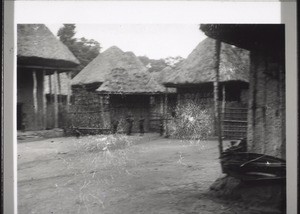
point(20, 116)
point(138, 106)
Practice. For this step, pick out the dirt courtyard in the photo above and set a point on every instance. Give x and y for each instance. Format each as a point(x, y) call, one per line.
point(146, 174)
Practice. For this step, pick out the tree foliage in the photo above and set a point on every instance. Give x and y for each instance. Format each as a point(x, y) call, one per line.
point(85, 50)
point(173, 61)
point(154, 65)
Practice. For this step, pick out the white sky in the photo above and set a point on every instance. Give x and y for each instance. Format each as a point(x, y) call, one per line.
point(157, 29)
point(153, 40)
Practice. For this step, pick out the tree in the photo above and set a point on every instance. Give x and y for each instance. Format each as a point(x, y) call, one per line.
point(66, 34)
point(85, 50)
point(154, 65)
point(173, 61)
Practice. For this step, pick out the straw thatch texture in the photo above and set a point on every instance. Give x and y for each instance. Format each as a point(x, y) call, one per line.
point(38, 46)
point(162, 75)
point(97, 70)
point(199, 67)
point(121, 81)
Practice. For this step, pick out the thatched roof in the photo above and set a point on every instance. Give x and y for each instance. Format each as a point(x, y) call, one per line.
point(97, 70)
point(199, 67)
point(121, 81)
point(38, 46)
point(162, 75)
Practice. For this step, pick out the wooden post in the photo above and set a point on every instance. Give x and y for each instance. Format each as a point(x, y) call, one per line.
point(161, 105)
point(34, 95)
point(55, 101)
point(254, 55)
point(50, 96)
point(264, 107)
point(216, 96)
point(102, 111)
point(44, 102)
point(166, 113)
point(281, 113)
point(223, 99)
point(223, 103)
point(68, 91)
point(59, 87)
point(178, 100)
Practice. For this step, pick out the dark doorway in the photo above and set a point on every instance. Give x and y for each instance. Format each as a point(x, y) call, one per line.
point(19, 116)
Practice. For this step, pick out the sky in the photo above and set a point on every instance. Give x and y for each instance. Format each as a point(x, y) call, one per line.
point(157, 29)
point(152, 40)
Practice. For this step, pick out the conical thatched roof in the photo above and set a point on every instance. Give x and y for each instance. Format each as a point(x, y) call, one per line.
point(199, 67)
point(162, 75)
point(38, 46)
point(121, 81)
point(97, 70)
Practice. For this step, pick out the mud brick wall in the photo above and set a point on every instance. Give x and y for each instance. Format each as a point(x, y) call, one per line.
point(266, 115)
point(87, 111)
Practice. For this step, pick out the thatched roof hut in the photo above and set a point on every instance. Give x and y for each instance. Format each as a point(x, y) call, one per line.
point(121, 81)
point(98, 70)
point(38, 46)
point(199, 67)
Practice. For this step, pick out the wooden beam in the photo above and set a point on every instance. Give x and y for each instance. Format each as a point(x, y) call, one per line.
point(47, 68)
point(44, 102)
point(216, 96)
point(55, 101)
point(34, 95)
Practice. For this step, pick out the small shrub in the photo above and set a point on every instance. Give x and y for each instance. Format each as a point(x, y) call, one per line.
point(193, 121)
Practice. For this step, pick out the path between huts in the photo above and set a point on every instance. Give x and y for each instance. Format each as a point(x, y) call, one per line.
point(144, 175)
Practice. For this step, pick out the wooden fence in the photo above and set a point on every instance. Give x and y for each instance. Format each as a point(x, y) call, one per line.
point(234, 123)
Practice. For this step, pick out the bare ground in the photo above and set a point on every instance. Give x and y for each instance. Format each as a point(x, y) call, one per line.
point(151, 175)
